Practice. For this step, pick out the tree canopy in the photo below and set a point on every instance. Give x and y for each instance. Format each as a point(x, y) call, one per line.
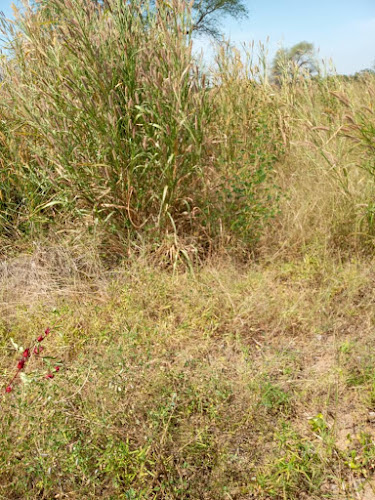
point(207, 13)
point(298, 59)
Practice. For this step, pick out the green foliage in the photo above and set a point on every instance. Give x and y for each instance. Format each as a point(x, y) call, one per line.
point(191, 386)
point(274, 398)
point(207, 12)
point(360, 457)
point(318, 424)
point(296, 468)
point(124, 464)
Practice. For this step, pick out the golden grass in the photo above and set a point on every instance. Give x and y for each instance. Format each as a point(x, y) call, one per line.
point(237, 380)
point(223, 349)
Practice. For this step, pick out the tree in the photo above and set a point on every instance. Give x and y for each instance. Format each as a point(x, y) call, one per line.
point(206, 14)
point(297, 60)
point(363, 73)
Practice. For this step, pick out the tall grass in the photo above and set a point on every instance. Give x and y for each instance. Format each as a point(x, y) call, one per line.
point(110, 116)
point(110, 108)
point(108, 119)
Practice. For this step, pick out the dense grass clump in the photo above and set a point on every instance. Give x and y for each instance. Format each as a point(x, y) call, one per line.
point(111, 112)
point(111, 118)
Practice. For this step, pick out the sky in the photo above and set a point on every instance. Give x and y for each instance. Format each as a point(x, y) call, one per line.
point(342, 30)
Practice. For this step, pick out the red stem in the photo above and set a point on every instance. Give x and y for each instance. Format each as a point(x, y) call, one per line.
point(36, 342)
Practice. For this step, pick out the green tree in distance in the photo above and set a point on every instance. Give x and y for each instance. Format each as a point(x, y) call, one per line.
point(206, 14)
point(297, 60)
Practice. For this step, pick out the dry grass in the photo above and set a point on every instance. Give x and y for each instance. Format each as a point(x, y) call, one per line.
point(237, 382)
point(203, 255)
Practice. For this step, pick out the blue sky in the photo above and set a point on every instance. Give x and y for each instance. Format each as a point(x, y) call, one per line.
point(342, 30)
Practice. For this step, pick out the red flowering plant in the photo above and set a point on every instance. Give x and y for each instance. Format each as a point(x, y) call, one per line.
point(26, 355)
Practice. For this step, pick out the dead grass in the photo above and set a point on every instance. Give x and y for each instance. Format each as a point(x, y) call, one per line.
point(235, 382)
point(186, 373)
